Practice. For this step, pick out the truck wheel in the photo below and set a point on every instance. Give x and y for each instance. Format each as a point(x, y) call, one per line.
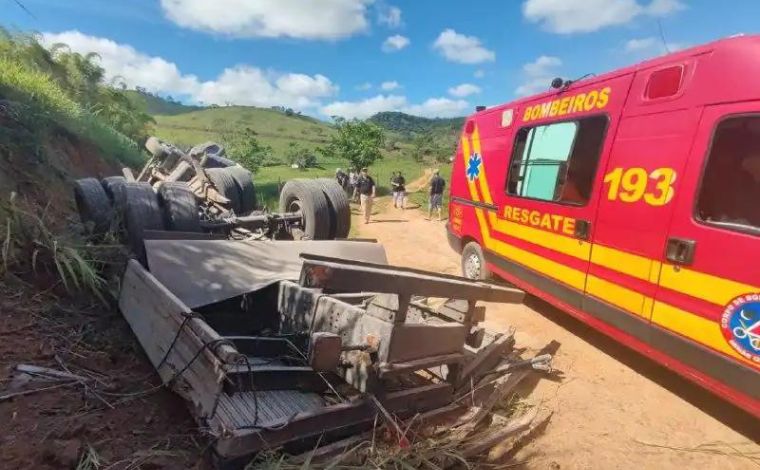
point(143, 213)
point(474, 263)
point(340, 211)
point(215, 161)
point(302, 196)
point(179, 207)
point(244, 181)
point(225, 184)
point(93, 205)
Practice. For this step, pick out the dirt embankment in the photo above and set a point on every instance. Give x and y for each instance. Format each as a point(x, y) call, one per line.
point(118, 417)
point(613, 408)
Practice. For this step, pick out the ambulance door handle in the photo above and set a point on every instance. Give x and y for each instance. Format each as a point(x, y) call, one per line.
point(582, 229)
point(680, 251)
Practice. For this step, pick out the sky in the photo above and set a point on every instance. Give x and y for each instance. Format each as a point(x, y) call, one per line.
point(354, 58)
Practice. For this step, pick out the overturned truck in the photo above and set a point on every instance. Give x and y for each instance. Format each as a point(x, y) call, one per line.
point(201, 194)
point(297, 345)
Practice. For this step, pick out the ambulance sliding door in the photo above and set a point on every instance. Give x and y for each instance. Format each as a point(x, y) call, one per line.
point(707, 308)
point(635, 206)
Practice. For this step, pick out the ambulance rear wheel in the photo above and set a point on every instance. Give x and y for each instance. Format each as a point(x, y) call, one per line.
point(474, 263)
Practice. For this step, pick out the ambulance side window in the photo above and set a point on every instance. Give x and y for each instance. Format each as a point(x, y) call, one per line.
point(557, 162)
point(729, 196)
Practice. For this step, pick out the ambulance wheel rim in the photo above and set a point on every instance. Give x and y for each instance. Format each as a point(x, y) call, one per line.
point(472, 266)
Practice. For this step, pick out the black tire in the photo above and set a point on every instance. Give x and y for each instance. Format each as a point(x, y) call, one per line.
point(93, 204)
point(216, 161)
point(340, 210)
point(310, 200)
point(114, 187)
point(179, 207)
point(226, 186)
point(143, 213)
point(474, 263)
point(244, 180)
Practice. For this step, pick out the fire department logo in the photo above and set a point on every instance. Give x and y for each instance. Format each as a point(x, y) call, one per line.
point(473, 167)
point(741, 325)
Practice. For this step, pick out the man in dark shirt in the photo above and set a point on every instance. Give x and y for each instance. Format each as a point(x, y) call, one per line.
point(437, 184)
point(366, 187)
point(398, 183)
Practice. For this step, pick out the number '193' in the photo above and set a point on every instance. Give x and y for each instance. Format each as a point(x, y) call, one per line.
point(632, 185)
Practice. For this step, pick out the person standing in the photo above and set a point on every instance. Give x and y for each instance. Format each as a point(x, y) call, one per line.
point(353, 179)
point(341, 177)
point(437, 184)
point(366, 188)
point(398, 183)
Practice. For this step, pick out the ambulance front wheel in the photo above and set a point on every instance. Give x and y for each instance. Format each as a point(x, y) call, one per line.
point(474, 263)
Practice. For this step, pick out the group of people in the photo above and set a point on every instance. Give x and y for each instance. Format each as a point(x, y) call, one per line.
point(362, 189)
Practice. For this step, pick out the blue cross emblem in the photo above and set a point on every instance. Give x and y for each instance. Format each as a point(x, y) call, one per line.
point(473, 167)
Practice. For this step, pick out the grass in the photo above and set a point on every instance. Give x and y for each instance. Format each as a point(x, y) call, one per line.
point(273, 128)
point(49, 104)
point(30, 248)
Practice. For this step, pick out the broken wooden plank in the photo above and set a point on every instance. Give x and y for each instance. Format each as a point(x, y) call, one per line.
point(340, 274)
point(485, 443)
point(387, 370)
point(485, 359)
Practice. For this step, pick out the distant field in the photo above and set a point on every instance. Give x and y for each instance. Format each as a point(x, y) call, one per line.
point(273, 128)
point(187, 126)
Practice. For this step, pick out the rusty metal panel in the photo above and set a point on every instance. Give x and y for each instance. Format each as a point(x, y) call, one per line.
point(202, 272)
point(271, 408)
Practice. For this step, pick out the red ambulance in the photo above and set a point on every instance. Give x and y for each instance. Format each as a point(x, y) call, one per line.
point(631, 200)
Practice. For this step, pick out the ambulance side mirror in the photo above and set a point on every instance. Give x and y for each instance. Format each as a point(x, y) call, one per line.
point(558, 83)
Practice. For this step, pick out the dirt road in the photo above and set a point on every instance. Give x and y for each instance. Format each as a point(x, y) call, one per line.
point(614, 409)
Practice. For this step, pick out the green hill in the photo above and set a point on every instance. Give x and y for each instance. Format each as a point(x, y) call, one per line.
point(272, 127)
point(407, 126)
point(154, 105)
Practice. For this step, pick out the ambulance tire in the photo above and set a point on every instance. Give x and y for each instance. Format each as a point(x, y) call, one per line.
point(474, 263)
point(340, 210)
point(179, 206)
point(143, 213)
point(304, 196)
point(93, 205)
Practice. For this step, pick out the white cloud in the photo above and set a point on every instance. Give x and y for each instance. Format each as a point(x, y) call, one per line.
point(438, 107)
point(324, 19)
point(364, 108)
point(132, 67)
point(390, 86)
point(364, 86)
point(433, 107)
point(650, 47)
point(480, 73)
point(457, 47)
point(242, 84)
point(583, 16)
point(395, 43)
point(389, 16)
point(538, 75)
point(463, 90)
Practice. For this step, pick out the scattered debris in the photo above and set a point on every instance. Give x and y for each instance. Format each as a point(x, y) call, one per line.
point(350, 354)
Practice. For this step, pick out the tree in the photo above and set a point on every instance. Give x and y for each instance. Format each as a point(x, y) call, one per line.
point(301, 156)
point(358, 142)
point(245, 148)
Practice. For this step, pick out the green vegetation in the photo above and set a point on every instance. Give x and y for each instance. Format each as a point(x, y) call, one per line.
point(154, 104)
point(272, 127)
point(356, 142)
point(57, 88)
point(245, 148)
